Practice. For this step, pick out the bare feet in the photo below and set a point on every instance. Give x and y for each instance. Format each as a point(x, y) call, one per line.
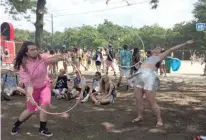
point(159, 124)
point(138, 119)
point(97, 103)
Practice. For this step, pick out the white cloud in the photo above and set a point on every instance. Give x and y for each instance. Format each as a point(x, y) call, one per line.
point(168, 13)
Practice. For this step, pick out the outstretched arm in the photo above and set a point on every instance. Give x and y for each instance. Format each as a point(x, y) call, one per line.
point(56, 58)
point(167, 52)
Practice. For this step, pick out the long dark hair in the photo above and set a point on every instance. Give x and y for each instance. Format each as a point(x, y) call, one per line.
point(19, 60)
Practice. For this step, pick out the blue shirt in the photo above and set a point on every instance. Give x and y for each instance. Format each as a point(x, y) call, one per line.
point(126, 58)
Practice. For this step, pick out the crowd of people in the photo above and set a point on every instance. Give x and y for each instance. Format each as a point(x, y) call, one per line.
point(36, 70)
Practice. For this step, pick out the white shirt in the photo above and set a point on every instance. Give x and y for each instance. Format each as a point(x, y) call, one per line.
point(98, 57)
point(96, 85)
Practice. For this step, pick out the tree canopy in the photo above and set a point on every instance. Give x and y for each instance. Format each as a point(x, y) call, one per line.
point(15, 7)
point(200, 10)
point(108, 32)
point(101, 35)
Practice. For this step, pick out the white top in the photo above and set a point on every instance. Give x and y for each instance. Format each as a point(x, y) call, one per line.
point(98, 57)
point(96, 85)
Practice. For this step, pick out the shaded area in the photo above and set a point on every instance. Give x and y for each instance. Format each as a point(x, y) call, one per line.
point(183, 113)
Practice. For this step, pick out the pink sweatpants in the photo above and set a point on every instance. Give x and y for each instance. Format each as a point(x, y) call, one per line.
point(42, 96)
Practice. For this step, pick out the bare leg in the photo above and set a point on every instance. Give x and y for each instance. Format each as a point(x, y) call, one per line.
point(103, 65)
point(139, 103)
point(105, 101)
point(98, 68)
point(93, 98)
point(43, 116)
point(107, 67)
point(78, 65)
point(25, 115)
point(112, 65)
point(164, 69)
point(20, 90)
point(63, 91)
point(204, 70)
point(161, 70)
point(155, 108)
point(120, 79)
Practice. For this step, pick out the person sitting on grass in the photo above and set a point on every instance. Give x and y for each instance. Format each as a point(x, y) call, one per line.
point(80, 86)
point(61, 84)
point(94, 87)
point(10, 84)
point(107, 92)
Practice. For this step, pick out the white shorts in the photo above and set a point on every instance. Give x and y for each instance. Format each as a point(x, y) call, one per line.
point(125, 72)
point(163, 62)
point(145, 79)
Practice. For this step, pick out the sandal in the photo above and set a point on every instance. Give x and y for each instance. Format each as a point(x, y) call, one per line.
point(137, 120)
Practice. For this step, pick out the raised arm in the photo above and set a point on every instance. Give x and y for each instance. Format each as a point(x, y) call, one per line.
point(167, 52)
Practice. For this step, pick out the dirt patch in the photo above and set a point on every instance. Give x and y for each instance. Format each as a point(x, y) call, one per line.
point(183, 109)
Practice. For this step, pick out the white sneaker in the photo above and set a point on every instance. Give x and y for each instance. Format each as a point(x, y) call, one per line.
point(85, 99)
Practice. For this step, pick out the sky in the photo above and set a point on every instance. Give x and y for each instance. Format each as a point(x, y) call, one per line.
point(75, 13)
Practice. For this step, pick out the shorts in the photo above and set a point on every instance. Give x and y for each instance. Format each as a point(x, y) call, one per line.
point(163, 62)
point(76, 60)
point(42, 96)
point(145, 79)
point(86, 91)
point(60, 89)
point(125, 72)
point(98, 63)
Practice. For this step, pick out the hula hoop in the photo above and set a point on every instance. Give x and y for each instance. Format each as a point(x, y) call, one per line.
point(131, 65)
point(57, 113)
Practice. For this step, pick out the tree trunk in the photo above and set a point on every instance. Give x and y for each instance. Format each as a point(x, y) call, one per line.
point(39, 22)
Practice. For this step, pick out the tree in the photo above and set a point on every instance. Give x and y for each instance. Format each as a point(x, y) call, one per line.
point(15, 7)
point(200, 10)
point(93, 37)
point(19, 7)
point(23, 35)
point(154, 3)
point(40, 10)
point(200, 14)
